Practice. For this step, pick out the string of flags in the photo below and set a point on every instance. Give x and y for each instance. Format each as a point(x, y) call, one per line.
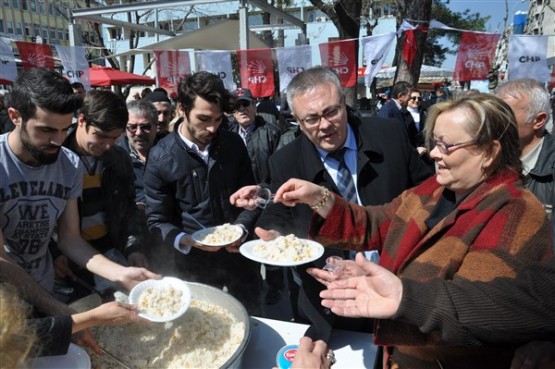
point(527, 57)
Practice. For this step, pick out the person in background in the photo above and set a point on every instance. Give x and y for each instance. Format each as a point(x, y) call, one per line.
point(417, 124)
point(530, 103)
point(108, 215)
point(79, 89)
point(336, 146)
point(6, 125)
point(467, 223)
point(396, 107)
point(261, 139)
point(267, 109)
point(189, 177)
point(163, 106)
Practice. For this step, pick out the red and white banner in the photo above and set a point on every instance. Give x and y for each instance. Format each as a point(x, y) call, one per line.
point(35, 55)
point(8, 68)
point(291, 61)
point(376, 48)
point(217, 62)
point(528, 57)
point(476, 52)
point(75, 64)
point(341, 57)
point(257, 71)
point(171, 67)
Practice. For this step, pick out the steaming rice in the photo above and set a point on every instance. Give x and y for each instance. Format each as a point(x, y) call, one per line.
point(205, 337)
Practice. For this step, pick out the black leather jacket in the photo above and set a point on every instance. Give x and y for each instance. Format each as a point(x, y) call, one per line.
point(261, 144)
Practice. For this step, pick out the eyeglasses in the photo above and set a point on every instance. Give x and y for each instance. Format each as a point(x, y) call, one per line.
point(330, 114)
point(444, 148)
point(132, 128)
point(415, 98)
point(242, 104)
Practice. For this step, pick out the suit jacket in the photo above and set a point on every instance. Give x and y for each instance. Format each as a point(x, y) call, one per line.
point(386, 166)
point(390, 110)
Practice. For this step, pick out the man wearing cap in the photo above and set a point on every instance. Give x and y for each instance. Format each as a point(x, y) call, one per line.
point(261, 139)
point(163, 106)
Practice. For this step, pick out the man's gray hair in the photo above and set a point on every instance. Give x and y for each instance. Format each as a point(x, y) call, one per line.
point(144, 109)
point(309, 79)
point(537, 93)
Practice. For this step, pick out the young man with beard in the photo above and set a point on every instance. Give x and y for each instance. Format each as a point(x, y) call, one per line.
point(40, 182)
point(189, 177)
point(109, 218)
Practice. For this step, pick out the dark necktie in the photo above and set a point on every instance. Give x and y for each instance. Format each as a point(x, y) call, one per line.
point(345, 182)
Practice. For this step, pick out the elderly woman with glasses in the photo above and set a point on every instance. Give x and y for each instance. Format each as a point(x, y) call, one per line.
point(472, 221)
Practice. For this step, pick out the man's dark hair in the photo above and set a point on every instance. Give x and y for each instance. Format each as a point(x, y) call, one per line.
point(400, 88)
point(209, 87)
point(39, 87)
point(77, 85)
point(161, 89)
point(104, 110)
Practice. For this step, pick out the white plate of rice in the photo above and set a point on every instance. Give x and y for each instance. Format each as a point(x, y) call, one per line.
point(282, 251)
point(161, 300)
point(222, 235)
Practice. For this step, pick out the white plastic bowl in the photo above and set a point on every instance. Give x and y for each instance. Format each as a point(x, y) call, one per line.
point(178, 284)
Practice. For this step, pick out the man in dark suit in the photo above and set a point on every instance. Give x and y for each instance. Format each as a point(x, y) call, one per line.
point(376, 151)
point(396, 108)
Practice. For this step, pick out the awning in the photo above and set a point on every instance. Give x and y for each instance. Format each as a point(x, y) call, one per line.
point(219, 36)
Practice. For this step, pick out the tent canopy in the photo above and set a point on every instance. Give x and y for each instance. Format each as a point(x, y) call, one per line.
point(106, 76)
point(219, 36)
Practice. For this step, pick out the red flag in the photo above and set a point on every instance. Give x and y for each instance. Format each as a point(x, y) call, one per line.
point(35, 55)
point(257, 71)
point(476, 52)
point(171, 67)
point(409, 48)
point(341, 57)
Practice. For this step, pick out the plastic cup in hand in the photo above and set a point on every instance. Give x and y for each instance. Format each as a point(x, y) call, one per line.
point(263, 197)
point(334, 265)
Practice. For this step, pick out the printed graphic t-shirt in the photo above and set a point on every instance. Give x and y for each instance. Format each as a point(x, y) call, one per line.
point(31, 201)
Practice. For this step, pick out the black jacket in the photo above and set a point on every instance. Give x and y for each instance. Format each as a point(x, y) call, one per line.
point(386, 165)
point(261, 144)
point(540, 180)
point(180, 186)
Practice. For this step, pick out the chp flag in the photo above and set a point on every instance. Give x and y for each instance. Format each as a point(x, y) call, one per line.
point(340, 56)
point(35, 55)
point(171, 67)
point(257, 71)
point(291, 61)
point(476, 52)
point(75, 64)
point(219, 63)
point(8, 68)
point(376, 48)
point(528, 57)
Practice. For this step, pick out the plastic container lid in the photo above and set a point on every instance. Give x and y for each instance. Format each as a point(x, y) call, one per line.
point(285, 356)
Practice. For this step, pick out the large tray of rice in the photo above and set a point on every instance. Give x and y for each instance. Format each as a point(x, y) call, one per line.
point(213, 333)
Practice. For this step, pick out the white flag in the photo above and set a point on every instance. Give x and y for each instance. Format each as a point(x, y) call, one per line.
point(528, 57)
point(217, 62)
point(376, 48)
point(291, 61)
point(8, 68)
point(75, 64)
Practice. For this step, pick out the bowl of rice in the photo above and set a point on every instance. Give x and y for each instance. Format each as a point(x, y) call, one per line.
point(213, 333)
point(161, 300)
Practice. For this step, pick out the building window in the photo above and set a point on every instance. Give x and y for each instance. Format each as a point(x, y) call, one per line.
point(42, 7)
point(52, 33)
point(24, 5)
point(7, 3)
point(34, 6)
point(45, 33)
point(15, 4)
point(1, 25)
point(10, 27)
point(60, 34)
point(27, 30)
point(19, 28)
point(67, 35)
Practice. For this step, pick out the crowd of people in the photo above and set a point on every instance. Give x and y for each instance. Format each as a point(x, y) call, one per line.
point(448, 210)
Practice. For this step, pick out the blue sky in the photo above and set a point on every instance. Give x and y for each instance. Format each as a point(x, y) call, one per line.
point(494, 8)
